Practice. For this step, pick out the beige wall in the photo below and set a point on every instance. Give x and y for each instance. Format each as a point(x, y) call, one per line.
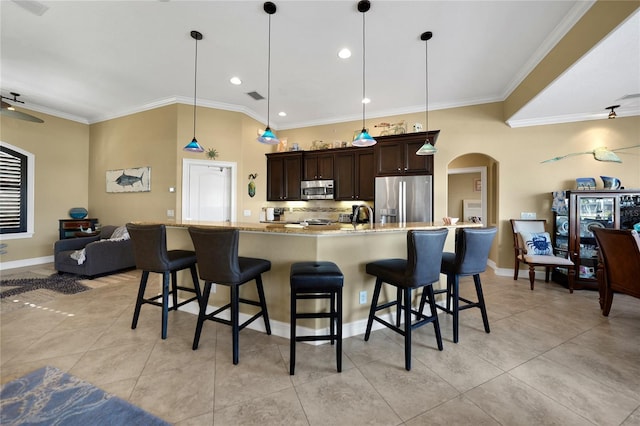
point(155, 138)
point(461, 187)
point(61, 149)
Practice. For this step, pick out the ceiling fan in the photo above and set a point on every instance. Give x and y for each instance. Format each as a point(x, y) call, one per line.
point(8, 110)
point(601, 153)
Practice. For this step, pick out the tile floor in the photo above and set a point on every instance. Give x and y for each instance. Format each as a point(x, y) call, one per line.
point(551, 358)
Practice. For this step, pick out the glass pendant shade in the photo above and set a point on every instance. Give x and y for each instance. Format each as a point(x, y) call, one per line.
point(363, 139)
point(268, 137)
point(427, 149)
point(193, 146)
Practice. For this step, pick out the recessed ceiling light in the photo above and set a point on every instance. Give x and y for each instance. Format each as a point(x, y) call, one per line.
point(344, 53)
point(235, 80)
point(282, 114)
point(366, 100)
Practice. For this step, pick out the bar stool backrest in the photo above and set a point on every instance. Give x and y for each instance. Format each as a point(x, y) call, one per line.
point(149, 247)
point(472, 249)
point(424, 254)
point(217, 254)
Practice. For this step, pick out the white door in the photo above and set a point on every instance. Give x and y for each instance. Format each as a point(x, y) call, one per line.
point(208, 189)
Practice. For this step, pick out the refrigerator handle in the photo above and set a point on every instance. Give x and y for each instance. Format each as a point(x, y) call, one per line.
point(403, 201)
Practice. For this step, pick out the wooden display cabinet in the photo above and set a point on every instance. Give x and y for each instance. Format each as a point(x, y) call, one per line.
point(68, 228)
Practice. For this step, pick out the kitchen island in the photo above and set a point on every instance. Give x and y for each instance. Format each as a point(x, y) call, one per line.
point(350, 247)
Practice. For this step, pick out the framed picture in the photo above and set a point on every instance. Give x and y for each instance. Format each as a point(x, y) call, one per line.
point(477, 185)
point(137, 179)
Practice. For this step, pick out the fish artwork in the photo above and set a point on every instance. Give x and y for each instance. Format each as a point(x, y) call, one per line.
point(128, 180)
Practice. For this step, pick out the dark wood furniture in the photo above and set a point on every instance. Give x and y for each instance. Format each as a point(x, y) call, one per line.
point(284, 173)
point(573, 231)
point(396, 155)
point(317, 165)
point(354, 174)
point(619, 267)
point(69, 227)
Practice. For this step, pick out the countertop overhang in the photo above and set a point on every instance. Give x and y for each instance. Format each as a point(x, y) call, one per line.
point(332, 229)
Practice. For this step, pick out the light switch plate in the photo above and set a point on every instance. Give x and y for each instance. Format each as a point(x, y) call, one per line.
point(247, 213)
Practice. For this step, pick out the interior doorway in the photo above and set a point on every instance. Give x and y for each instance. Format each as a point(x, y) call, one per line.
point(467, 193)
point(209, 190)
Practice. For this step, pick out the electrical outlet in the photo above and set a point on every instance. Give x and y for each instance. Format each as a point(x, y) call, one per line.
point(527, 215)
point(171, 213)
point(363, 297)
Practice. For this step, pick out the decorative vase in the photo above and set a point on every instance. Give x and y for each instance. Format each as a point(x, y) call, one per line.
point(610, 182)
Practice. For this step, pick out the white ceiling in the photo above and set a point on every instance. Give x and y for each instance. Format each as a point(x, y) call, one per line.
point(94, 60)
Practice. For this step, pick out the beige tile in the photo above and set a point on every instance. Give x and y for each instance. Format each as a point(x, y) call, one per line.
point(18, 368)
point(458, 411)
point(313, 361)
point(176, 394)
point(408, 393)
point(345, 399)
point(581, 393)
point(205, 419)
point(59, 343)
point(512, 402)
point(282, 408)
point(633, 419)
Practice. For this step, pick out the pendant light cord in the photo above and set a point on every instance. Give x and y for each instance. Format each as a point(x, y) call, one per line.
point(363, 69)
point(269, 74)
point(195, 88)
point(426, 83)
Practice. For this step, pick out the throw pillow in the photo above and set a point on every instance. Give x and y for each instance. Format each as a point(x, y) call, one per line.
point(538, 243)
point(120, 233)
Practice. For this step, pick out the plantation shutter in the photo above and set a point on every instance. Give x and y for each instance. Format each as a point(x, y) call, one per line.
point(13, 191)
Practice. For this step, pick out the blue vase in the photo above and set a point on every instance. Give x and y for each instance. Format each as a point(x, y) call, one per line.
point(78, 213)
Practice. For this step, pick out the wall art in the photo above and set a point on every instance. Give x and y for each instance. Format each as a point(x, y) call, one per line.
point(136, 179)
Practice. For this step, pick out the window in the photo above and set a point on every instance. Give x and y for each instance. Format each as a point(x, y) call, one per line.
point(16, 192)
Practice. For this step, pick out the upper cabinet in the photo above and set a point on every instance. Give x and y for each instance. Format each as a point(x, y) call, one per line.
point(317, 165)
point(284, 173)
point(396, 155)
point(354, 174)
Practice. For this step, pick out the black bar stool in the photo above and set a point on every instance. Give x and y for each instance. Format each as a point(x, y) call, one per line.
point(421, 268)
point(472, 251)
point(151, 255)
point(317, 280)
point(217, 251)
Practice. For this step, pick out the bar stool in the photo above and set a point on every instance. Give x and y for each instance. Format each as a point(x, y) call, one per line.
point(151, 255)
point(317, 280)
point(421, 268)
point(472, 251)
point(219, 263)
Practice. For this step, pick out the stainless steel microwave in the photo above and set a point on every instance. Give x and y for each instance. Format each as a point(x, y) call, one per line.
point(316, 190)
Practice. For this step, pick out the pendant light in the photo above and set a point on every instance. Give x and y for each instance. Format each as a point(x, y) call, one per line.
point(268, 137)
point(613, 114)
point(364, 138)
point(194, 146)
point(427, 148)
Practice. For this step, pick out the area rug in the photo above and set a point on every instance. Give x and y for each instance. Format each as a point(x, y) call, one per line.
point(49, 396)
point(65, 284)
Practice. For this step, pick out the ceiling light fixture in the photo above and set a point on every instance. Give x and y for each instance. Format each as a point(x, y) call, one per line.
point(9, 110)
point(194, 146)
point(235, 81)
point(268, 137)
point(344, 53)
point(612, 114)
point(427, 148)
point(364, 138)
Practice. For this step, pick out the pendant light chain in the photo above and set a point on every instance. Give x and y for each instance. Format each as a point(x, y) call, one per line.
point(426, 91)
point(269, 75)
point(363, 71)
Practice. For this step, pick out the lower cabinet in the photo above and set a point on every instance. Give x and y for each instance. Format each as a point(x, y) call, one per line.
point(68, 228)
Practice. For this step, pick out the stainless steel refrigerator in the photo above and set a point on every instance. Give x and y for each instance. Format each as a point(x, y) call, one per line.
point(404, 199)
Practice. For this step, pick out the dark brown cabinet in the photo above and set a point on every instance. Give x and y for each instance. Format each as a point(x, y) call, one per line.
point(354, 174)
point(284, 173)
point(68, 228)
point(574, 222)
point(396, 155)
point(318, 166)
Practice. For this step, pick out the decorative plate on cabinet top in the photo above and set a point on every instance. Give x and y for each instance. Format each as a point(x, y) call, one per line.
point(585, 183)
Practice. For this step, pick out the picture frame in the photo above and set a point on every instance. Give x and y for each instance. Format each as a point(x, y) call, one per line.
point(136, 179)
point(477, 185)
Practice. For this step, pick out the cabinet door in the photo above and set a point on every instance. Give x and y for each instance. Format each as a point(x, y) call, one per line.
point(417, 164)
point(325, 166)
point(389, 159)
point(275, 178)
point(365, 175)
point(292, 177)
point(344, 175)
point(318, 166)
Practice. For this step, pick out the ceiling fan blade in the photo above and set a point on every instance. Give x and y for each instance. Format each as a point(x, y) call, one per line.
point(32, 6)
point(20, 115)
